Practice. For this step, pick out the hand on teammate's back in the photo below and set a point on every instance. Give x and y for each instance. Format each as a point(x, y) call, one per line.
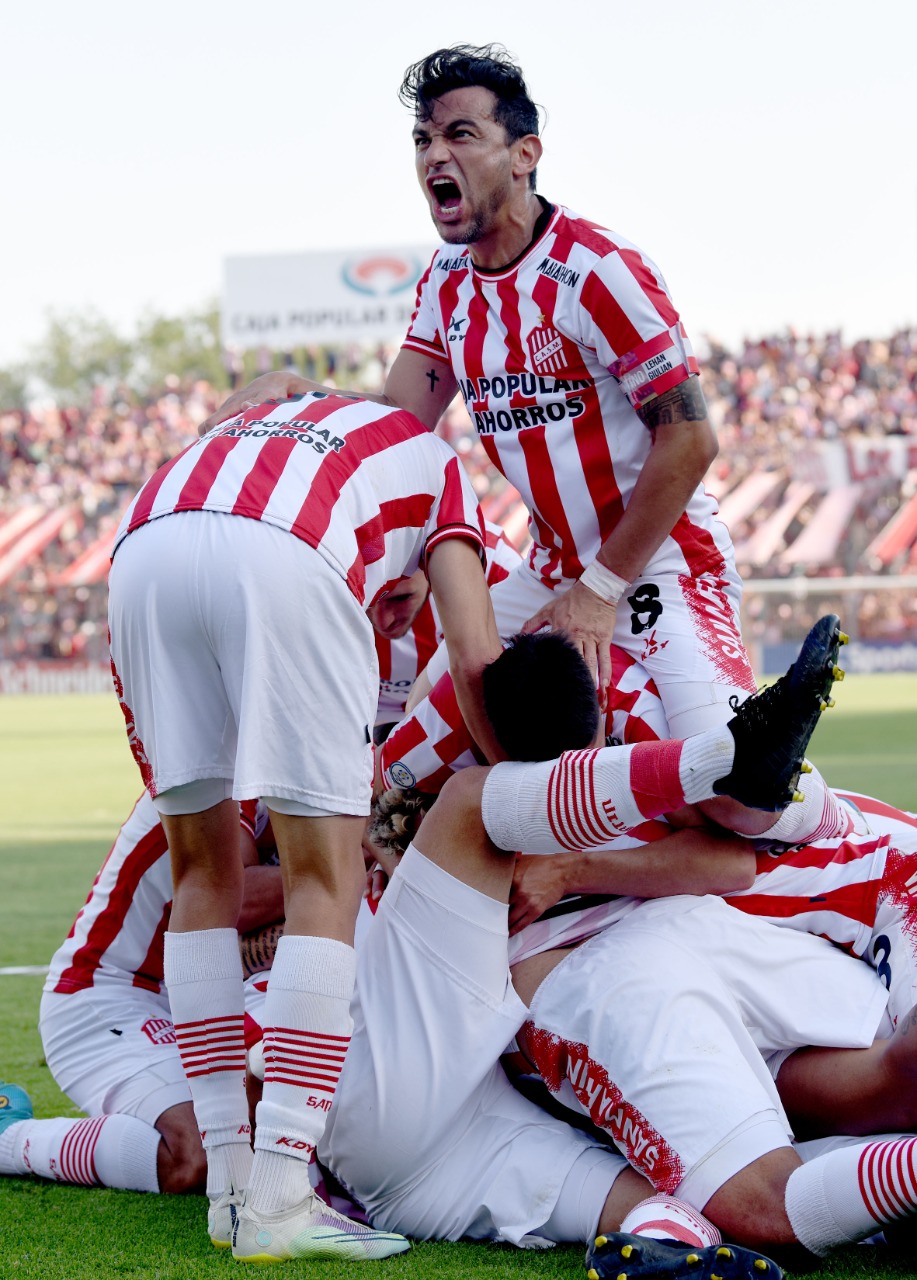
point(280, 384)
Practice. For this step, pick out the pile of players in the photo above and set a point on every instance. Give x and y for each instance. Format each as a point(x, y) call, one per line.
point(681, 978)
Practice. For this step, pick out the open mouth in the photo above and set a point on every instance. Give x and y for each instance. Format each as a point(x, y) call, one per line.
point(446, 196)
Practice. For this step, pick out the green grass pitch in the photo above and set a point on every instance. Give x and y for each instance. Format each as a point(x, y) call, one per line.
point(69, 781)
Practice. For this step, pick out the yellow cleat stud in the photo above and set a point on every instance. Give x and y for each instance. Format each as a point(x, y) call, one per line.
point(760, 1265)
point(805, 767)
point(822, 705)
point(724, 1253)
point(692, 1259)
point(838, 673)
point(713, 1276)
point(831, 702)
point(592, 1274)
point(600, 1240)
point(797, 797)
point(843, 638)
point(622, 1276)
point(627, 1250)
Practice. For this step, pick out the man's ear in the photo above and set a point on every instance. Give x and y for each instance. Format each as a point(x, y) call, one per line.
point(526, 155)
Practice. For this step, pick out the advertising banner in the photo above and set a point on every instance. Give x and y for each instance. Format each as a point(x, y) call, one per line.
point(283, 301)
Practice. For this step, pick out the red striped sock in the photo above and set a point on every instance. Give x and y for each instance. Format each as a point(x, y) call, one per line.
point(845, 1194)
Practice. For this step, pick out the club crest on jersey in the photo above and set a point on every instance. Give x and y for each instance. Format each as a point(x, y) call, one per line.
point(546, 348)
point(159, 1030)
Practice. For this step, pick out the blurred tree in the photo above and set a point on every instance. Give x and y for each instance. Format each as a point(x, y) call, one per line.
point(83, 350)
point(79, 351)
point(13, 385)
point(186, 346)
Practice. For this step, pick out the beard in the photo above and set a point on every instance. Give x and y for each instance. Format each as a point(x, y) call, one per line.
point(480, 224)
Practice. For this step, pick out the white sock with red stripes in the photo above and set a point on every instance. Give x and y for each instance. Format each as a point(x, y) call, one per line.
point(847, 1194)
point(203, 975)
point(820, 815)
point(586, 798)
point(307, 1028)
point(663, 1217)
point(103, 1151)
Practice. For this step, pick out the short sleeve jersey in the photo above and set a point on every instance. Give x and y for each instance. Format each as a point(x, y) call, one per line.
point(553, 356)
point(368, 487)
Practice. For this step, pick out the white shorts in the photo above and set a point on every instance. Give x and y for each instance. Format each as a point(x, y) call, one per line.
point(685, 632)
point(242, 656)
point(112, 1051)
point(656, 1029)
point(426, 1130)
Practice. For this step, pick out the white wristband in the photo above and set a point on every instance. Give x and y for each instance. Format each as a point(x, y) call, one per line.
point(606, 585)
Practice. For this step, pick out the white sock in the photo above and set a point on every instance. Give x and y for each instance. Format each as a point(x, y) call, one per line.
point(664, 1217)
point(203, 975)
point(102, 1151)
point(845, 1195)
point(820, 815)
point(306, 1034)
point(586, 798)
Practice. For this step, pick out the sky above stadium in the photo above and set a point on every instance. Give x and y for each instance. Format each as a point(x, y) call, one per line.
point(763, 155)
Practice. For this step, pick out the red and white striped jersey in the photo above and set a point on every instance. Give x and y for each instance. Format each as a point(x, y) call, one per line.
point(369, 488)
point(117, 936)
point(432, 743)
point(401, 661)
point(553, 355)
point(833, 887)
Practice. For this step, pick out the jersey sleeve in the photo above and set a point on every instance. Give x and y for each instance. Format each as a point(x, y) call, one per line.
point(455, 513)
point(630, 321)
point(430, 744)
point(423, 333)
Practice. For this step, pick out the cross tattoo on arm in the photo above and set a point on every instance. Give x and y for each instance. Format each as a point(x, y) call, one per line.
point(434, 378)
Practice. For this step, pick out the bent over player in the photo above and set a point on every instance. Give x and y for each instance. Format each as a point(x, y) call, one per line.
point(245, 666)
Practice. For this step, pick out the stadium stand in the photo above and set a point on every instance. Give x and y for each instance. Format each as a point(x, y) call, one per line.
point(816, 476)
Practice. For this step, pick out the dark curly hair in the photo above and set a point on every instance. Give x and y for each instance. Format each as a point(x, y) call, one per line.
point(464, 66)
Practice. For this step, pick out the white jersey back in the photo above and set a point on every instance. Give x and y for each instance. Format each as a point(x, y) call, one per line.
point(369, 488)
point(551, 356)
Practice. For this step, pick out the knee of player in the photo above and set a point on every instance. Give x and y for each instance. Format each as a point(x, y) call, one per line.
point(750, 1207)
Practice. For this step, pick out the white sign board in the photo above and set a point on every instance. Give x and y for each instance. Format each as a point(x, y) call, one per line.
point(288, 300)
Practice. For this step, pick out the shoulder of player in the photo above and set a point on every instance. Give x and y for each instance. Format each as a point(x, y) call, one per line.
point(586, 243)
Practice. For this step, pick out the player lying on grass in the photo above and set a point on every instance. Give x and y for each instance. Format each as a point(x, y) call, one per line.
point(453, 1153)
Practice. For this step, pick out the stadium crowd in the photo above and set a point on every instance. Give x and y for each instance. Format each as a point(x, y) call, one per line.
point(769, 401)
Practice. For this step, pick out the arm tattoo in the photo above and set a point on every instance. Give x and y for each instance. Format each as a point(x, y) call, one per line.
point(434, 378)
point(257, 948)
point(684, 403)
